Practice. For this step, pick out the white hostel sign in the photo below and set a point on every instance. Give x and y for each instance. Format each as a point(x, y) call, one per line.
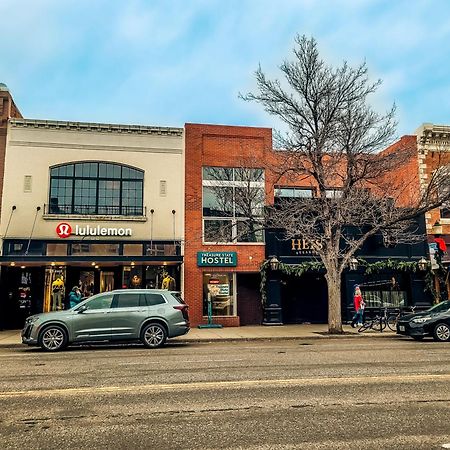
point(65, 230)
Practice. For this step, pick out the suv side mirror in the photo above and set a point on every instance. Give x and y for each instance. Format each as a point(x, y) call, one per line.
point(81, 309)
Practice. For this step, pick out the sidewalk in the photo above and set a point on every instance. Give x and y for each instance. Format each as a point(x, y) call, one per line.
point(10, 338)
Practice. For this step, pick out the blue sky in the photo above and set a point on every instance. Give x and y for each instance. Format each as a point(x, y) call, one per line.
point(157, 62)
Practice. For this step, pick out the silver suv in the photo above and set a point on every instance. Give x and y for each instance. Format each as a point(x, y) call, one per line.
point(147, 315)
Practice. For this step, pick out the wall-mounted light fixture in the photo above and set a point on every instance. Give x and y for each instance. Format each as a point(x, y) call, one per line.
point(422, 264)
point(274, 263)
point(353, 264)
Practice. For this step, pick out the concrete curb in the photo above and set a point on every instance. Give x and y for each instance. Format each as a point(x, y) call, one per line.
point(209, 340)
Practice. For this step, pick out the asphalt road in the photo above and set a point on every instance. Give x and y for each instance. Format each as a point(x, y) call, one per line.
point(315, 394)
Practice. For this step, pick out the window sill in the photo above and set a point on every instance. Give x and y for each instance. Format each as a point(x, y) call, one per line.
point(94, 217)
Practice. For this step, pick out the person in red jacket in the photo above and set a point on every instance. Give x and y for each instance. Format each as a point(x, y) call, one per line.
point(359, 305)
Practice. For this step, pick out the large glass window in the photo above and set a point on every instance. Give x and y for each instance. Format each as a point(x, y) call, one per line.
point(96, 188)
point(218, 294)
point(233, 204)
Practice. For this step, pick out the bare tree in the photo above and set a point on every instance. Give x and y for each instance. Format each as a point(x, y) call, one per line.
point(333, 144)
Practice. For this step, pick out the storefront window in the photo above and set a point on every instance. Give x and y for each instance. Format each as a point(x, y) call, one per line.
point(55, 289)
point(162, 249)
point(218, 288)
point(95, 249)
point(132, 249)
point(31, 248)
point(56, 249)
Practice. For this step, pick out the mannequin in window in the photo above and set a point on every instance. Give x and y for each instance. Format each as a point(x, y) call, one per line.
point(57, 293)
point(168, 282)
point(136, 281)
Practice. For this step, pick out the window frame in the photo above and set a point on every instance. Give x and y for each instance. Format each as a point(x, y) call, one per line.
point(232, 181)
point(86, 176)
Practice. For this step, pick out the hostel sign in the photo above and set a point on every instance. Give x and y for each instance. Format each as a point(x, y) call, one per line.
point(217, 259)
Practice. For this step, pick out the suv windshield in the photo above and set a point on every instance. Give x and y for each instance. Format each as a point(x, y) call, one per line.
point(440, 307)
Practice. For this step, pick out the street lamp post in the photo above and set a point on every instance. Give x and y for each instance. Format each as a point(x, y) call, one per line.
point(272, 307)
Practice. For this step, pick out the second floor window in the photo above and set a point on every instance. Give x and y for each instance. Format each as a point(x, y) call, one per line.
point(96, 188)
point(233, 204)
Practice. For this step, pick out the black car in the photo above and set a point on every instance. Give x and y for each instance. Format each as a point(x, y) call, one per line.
point(432, 322)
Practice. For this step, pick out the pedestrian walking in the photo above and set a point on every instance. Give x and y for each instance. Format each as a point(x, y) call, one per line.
point(359, 305)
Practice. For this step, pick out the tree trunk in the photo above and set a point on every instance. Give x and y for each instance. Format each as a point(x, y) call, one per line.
point(334, 301)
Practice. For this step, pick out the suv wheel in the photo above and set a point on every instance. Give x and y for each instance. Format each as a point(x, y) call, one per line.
point(441, 332)
point(53, 338)
point(153, 335)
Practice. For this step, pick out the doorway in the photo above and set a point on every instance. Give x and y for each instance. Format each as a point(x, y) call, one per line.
point(304, 299)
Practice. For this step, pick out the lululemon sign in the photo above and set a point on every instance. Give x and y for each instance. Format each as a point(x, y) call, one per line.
point(63, 230)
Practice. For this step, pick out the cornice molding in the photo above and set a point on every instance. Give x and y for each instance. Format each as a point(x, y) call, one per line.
point(96, 127)
point(95, 147)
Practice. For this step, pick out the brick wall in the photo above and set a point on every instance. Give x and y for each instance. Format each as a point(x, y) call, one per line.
point(8, 110)
point(225, 146)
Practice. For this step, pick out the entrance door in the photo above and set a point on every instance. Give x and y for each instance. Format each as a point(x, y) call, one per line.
point(249, 298)
point(304, 299)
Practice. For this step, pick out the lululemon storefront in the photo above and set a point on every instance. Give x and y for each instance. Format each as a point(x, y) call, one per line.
point(38, 274)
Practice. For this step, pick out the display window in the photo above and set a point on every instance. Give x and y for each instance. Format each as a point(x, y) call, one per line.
point(55, 289)
point(218, 289)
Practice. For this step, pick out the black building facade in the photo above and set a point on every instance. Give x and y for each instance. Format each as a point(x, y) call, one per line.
point(304, 299)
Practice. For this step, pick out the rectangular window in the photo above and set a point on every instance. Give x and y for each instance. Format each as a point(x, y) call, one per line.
point(132, 249)
point(333, 193)
point(218, 294)
point(217, 201)
point(27, 183)
point(56, 249)
point(154, 299)
point(129, 300)
point(293, 192)
point(218, 230)
point(235, 194)
point(32, 248)
point(158, 249)
point(95, 249)
point(162, 188)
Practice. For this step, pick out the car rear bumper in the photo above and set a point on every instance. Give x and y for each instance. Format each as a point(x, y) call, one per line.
point(179, 329)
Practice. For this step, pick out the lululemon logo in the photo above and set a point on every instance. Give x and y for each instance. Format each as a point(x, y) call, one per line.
point(64, 230)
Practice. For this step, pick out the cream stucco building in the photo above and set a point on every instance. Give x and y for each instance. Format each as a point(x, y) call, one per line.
point(95, 205)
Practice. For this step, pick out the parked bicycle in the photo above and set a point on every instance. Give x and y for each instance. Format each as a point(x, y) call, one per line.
point(394, 317)
point(386, 319)
point(380, 321)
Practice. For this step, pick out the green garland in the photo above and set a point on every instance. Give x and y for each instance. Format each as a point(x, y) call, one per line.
point(370, 268)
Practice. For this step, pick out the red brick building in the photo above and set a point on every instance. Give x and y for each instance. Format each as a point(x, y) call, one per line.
point(8, 110)
point(225, 147)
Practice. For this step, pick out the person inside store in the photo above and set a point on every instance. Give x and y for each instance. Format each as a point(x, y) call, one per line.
point(75, 296)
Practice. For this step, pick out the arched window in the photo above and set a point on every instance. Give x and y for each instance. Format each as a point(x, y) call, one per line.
point(96, 188)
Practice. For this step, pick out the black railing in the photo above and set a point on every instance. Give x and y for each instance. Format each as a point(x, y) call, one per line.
point(86, 210)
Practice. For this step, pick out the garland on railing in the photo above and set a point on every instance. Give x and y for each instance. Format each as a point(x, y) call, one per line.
point(370, 268)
